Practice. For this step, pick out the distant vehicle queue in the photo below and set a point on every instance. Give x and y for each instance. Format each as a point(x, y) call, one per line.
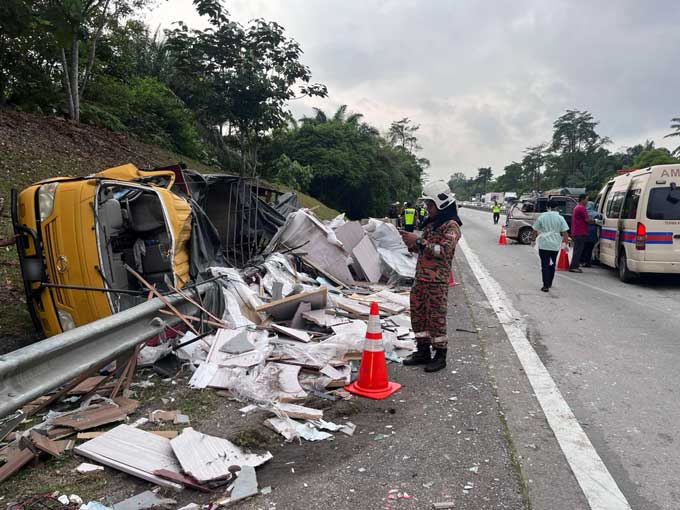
point(633, 225)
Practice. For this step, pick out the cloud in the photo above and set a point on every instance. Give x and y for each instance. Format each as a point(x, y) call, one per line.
point(483, 79)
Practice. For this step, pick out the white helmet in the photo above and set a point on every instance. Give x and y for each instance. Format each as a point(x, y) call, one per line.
point(439, 192)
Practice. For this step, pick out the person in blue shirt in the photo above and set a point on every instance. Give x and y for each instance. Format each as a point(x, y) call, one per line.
point(550, 231)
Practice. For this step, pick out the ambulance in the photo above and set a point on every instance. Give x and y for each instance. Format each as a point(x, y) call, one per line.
point(640, 225)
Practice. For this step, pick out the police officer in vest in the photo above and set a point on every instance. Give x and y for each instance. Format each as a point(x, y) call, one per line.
point(496, 210)
point(409, 217)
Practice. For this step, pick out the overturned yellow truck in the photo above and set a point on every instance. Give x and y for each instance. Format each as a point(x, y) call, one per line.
point(78, 238)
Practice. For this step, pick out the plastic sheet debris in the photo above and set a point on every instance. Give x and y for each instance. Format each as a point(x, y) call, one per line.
point(86, 467)
point(291, 429)
point(398, 263)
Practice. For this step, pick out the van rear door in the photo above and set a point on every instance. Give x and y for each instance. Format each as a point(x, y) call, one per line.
point(660, 216)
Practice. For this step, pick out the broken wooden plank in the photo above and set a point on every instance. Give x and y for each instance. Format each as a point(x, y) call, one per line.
point(91, 417)
point(87, 385)
point(160, 296)
point(295, 334)
point(15, 462)
point(181, 479)
point(47, 445)
point(133, 451)
point(208, 458)
point(284, 309)
point(169, 434)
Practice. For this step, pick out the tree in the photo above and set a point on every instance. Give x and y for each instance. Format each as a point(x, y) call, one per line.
point(78, 24)
point(402, 133)
point(246, 76)
point(675, 124)
point(532, 164)
point(574, 141)
point(653, 156)
point(484, 176)
point(355, 169)
point(511, 179)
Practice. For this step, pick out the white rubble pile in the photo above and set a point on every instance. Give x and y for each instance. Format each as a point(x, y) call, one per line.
point(301, 341)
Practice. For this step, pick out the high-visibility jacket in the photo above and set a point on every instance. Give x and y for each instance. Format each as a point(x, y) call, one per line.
point(422, 212)
point(409, 216)
point(496, 208)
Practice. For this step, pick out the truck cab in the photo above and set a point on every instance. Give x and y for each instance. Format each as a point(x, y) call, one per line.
point(77, 237)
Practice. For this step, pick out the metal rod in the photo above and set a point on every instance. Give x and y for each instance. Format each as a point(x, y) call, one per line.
point(95, 289)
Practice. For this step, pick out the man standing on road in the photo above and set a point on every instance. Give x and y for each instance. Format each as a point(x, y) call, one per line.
point(429, 295)
point(552, 230)
point(496, 210)
point(579, 232)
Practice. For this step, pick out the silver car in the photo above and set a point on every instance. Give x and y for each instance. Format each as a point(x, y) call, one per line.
point(522, 215)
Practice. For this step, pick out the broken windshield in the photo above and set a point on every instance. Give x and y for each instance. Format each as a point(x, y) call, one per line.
point(664, 203)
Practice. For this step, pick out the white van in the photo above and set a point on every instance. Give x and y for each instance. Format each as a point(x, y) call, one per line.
point(641, 222)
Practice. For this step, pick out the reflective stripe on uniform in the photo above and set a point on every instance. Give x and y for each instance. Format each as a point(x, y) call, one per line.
point(436, 250)
point(409, 216)
point(423, 334)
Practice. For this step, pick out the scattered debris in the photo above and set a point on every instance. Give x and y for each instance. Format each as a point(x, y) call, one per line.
point(86, 467)
point(443, 505)
point(133, 451)
point(207, 458)
point(143, 501)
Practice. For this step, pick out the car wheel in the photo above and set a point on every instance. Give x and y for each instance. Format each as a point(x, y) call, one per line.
point(525, 235)
point(625, 274)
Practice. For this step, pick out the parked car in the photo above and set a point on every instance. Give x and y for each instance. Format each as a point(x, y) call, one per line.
point(522, 215)
point(75, 236)
point(641, 222)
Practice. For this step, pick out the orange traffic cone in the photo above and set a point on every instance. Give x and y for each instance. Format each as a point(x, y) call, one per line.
point(452, 280)
point(502, 239)
point(372, 381)
point(563, 261)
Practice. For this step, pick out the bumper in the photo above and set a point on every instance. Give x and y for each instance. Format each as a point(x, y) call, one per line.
point(643, 266)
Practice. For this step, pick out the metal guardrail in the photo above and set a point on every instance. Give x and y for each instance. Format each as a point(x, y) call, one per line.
point(37, 369)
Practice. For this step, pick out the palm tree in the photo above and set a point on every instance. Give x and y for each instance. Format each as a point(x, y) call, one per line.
point(340, 116)
point(675, 124)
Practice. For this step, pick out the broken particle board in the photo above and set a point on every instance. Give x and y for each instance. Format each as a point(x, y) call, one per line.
point(354, 307)
point(323, 318)
point(133, 451)
point(285, 384)
point(350, 234)
point(207, 458)
point(295, 334)
point(47, 445)
point(368, 259)
point(284, 309)
point(300, 412)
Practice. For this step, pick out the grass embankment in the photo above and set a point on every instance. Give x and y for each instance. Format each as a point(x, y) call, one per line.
point(33, 148)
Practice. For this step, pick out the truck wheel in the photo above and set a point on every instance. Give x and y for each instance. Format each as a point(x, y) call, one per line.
point(625, 274)
point(525, 235)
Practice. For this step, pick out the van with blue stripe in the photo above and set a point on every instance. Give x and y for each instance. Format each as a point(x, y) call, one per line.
point(640, 229)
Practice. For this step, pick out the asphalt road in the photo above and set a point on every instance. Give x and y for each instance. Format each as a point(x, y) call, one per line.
point(613, 350)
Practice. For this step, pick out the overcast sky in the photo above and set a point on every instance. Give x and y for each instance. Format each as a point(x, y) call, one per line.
point(484, 79)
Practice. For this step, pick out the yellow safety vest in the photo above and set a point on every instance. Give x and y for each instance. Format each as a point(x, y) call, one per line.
point(409, 216)
point(496, 208)
point(422, 212)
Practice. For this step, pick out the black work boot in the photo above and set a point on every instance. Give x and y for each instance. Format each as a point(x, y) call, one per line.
point(438, 362)
point(421, 357)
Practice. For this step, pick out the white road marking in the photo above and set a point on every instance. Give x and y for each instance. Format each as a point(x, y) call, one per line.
point(596, 482)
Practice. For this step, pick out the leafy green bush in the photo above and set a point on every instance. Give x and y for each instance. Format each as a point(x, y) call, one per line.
point(148, 109)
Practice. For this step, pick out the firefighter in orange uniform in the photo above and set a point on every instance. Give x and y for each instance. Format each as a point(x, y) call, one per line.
point(429, 294)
